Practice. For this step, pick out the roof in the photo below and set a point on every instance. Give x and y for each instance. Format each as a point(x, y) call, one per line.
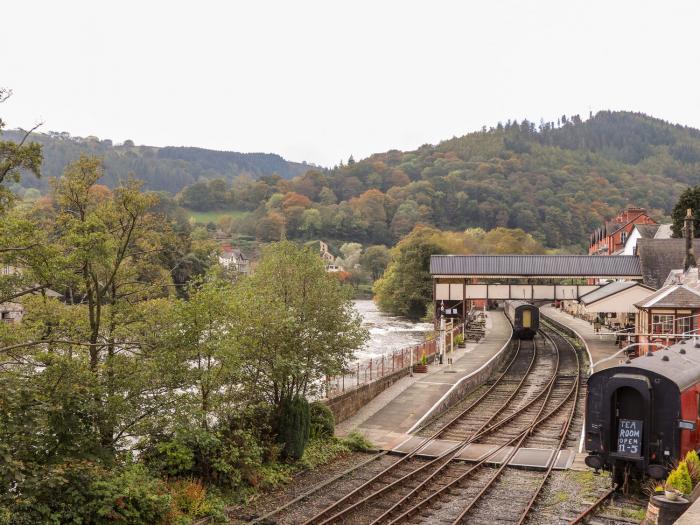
point(672, 296)
point(608, 290)
point(647, 231)
point(536, 265)
point(664, 231)
point(658, 257)
point(681, 369)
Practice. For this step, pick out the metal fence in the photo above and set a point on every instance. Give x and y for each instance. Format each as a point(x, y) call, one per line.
point(368, 370)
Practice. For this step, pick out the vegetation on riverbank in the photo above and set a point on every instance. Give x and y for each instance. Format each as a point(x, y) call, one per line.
point(151, 388)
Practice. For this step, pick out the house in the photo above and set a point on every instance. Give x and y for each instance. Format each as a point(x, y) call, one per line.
point(645, 231)
point(13, 311)
point(610, 238)
point(232, 258)
point(325, 253)
point(671, 313)
point(614, 302)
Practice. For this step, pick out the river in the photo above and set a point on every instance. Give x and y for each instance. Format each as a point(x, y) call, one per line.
point(387, 333)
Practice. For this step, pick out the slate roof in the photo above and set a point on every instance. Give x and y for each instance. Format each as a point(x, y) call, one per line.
point(608, 290)
point(673, 296)
point(647, 231)
point(664, 231)
point(536, 265)
point(658, 257)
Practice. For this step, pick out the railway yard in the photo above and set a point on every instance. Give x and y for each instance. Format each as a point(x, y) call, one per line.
point(502, 454)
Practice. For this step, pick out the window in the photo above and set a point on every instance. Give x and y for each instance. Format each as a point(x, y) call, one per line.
point(684, 324)
point(662, 324)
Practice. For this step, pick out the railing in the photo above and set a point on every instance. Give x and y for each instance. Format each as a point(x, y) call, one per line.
point(368, 370)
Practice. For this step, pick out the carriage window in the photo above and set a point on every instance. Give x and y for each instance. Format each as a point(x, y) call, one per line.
point(683, 324)
point(662, 323)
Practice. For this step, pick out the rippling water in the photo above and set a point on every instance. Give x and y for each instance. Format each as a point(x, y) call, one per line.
point(387, 333)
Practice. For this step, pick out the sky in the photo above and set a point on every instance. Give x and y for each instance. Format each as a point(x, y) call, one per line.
point(318, 81)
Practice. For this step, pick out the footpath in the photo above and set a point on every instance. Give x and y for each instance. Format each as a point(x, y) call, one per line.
point(599, 346)
point(389, 417)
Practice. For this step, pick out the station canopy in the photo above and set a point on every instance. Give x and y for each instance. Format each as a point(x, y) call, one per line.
point(534, 266)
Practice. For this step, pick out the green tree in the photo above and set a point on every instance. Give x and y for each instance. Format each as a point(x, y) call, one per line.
point(16, 157)
point(406, 286)
point(375, 259)
point(689, 199)
point(296, 325)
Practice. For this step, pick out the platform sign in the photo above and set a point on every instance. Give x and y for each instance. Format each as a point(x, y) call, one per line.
point(629, 437)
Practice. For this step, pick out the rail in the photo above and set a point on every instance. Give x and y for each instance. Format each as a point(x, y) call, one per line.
point(366, 371)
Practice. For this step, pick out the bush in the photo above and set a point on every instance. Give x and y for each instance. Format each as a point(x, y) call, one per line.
point(692, 460)
point(322, 420)
point(84, 492)
point(459, 339)
point(679, 479)
point(192, 499)
point(357, 442)
point(321, 451)
point(225, 457)
point(293, 427)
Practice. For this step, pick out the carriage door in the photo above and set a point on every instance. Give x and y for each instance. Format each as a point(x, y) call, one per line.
point(629, 416)
point(527, 318)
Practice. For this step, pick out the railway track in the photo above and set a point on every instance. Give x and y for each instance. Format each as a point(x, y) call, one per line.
point(531, 403)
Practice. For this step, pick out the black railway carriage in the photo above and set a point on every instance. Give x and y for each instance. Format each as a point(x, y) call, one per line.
point(525, 318)
point(642, 416)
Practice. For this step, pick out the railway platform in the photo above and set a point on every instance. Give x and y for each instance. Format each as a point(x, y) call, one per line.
point(388, 418)
point(599, 346)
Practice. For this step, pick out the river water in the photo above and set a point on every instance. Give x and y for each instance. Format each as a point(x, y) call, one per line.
point(387, 333)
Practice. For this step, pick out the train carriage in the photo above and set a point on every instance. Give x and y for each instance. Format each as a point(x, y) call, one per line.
point(643, 416)
point(525, 318)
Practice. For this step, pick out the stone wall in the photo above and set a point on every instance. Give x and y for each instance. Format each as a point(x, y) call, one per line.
point(346, 405)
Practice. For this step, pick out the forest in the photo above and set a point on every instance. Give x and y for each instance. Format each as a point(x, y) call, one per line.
point(555, 180)
point(161, 169)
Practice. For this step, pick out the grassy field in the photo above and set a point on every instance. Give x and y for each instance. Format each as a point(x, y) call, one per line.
point(205, 217)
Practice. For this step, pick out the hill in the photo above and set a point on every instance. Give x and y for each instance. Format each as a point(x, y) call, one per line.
point(557, 180)
point(162, 169)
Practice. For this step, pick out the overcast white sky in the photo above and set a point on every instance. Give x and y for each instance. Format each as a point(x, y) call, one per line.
point(320, 80)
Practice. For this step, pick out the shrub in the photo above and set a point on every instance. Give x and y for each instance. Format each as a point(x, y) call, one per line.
point(459, 339)
point(692, 460)
point(679, 479)
point(357, 442)
point(321, 451)
point(84, 492)
point(191, 498)
point(424, 359)
point(293, 427)
point(322, 420)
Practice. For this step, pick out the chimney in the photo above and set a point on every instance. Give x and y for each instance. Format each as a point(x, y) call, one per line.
point(689, 260)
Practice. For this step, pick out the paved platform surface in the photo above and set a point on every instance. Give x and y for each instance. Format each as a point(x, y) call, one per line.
point(599, 346)
point(387, 418)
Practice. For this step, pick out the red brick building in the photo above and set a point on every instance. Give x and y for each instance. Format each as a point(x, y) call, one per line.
point(611, 236)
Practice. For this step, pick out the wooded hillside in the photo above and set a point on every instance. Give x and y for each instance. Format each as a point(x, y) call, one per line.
point(162, 169)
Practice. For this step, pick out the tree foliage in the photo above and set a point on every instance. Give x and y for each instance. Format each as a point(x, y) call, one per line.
point(406, 285)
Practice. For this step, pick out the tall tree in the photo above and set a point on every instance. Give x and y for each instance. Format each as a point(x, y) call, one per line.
point(297, 324)
point(690, 198)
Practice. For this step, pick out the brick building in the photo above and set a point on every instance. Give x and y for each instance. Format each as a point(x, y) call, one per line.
point(610, 238)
